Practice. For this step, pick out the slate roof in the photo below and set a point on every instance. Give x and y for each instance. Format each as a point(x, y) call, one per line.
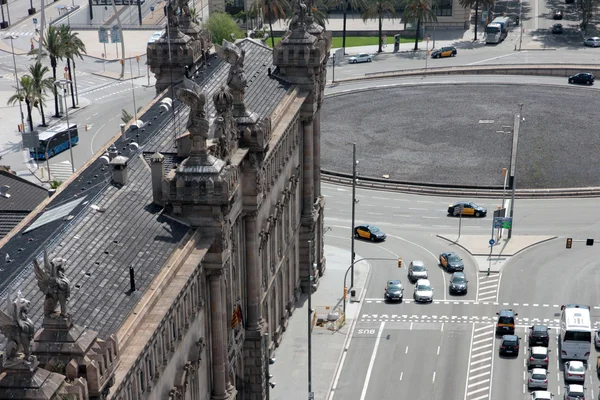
point(263, 92)
point(24, 197)
point(127, 230)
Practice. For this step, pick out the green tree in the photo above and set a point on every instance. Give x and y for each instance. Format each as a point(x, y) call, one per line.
point(25, 92)
point(469, 4)
point(194, 15)
point(72, 47)
point(221, 26)
point(52, 42)
point(41, 83)
point(419, 11)
point(378, 9)
point(272, 11)
point(346, 4)
point(319, 12)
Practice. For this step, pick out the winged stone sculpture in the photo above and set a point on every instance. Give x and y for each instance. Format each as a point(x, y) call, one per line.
point(54, 284)
point(17, 327)
point(191, 95)
point(234, 56)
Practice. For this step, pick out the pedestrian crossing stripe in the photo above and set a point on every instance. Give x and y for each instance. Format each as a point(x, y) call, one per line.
point(61, 171)
point(19, 33)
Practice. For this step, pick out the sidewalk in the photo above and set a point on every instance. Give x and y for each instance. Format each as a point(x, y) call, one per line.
point(290, 371)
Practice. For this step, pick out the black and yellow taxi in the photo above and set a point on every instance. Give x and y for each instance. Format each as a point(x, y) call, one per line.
point(506, 322)
point(468, 208)
point(443, 52)
point(451, 262)
point(369, 232)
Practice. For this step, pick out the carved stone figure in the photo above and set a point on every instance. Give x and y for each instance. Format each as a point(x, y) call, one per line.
point(184, 7)
point(172, 14)
point(299, 18)
point(225, 125)
point(54, 284)
point(233, 55)
point(17, 327)
point(191, 95)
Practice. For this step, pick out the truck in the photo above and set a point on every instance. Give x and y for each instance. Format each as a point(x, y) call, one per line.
point(497, 30)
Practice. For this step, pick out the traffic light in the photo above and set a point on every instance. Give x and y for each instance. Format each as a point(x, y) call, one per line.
point(569, 243)
point(122, 61)
point(589, 242)
point(137, 58)
point(399, 262)
point(345, 292)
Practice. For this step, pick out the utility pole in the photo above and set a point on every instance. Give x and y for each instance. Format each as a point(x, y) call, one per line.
point(513, 165)
point(353, 213)
point(310, 278)
point(520, 24)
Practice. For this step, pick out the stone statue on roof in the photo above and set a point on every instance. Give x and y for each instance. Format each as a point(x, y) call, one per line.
point(17, 327)
point(233, 55)
point(54, 284)
point(171, 14)
point(300, 11)
point(191, 94)
point(184, 7)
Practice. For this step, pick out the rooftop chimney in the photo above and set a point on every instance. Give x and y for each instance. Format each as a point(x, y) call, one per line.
point(112, 152)
point(157, 168)
point(119, 171)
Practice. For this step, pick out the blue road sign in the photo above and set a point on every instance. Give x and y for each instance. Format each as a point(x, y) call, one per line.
point(492, 242)
point(35, 21)
point(151, 8)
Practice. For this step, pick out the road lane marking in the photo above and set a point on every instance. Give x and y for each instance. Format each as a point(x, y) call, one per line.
point(493, 58)
point(433, 380)
point(372, 362)
point(438, 352)
point(401, 373)
point(406, 351)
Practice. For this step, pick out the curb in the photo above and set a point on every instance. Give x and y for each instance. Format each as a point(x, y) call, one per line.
point(338, 369)
point(505, 255)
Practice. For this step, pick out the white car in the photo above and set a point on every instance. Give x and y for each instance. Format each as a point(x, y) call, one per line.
point(155, 36)
point(362, 57)
point(592, 42)
point(423, 291)
point(541, 395)
point(574, 371)
point(574, 392)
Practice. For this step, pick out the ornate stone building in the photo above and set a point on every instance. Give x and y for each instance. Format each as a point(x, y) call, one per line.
point(188, 239)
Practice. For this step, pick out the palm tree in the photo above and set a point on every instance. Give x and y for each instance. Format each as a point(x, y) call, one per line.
point(419, 11)
point(41, 83)
point(53, 44)
point(25, 92)
point(377, 9)
point(346, 4)
point(321, 17)
point(469, 4)
point(73, 47)
point(272, 10)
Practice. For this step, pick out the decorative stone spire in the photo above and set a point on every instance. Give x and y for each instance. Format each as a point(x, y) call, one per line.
point(198, 126)
point(236, 81)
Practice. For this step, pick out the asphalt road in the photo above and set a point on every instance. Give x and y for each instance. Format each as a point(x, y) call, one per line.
point(461, 134)
point(448, 349)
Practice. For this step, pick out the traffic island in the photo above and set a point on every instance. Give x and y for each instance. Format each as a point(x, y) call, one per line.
point(479, 245)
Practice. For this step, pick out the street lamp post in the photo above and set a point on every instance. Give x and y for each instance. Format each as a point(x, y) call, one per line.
point(520, 24)
point(354, 162)
point(513, 166)
point(133, 92)
point(64, 85)
point(16, 76)
point(310, 278)
point(352, 267)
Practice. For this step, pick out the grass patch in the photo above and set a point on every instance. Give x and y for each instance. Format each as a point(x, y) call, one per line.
point(354, 41)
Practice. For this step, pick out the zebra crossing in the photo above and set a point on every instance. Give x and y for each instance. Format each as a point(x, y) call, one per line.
point(61, 171)
point(487, 290)
point(479, 372)
point(19, 33)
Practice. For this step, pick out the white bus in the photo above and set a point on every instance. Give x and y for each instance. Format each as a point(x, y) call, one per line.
point(575, 332)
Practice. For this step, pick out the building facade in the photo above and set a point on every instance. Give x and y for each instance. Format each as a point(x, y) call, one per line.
point(190, 242)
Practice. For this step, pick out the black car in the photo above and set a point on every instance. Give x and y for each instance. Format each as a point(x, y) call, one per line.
point(369, 232)
point(509, 345)
point(506, 322)
point(393, 291)
point(582, 77)
point(557, 28)
point(458, 283)
point(558, 14)
point(451, 261)
point(538, 336)
point(468, 208)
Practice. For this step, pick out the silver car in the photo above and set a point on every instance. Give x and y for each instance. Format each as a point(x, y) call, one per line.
point(416, 271)
point(423, 291)
point(574, 392)
point(592, 42)
point(362, 57)
point(538, 379)
point(538, 357)
point(574, 371)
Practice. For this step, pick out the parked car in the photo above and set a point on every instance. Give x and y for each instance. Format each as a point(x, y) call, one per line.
point(574, 371)
point(393, 290)
point(369, 232)
point(423, 291)
point(510, 345)
point(443, 52)
point(362, 57)
point(451, 262)
point(539, 336)
point(574, 392)
point(557, 28)
point(458, 283)
point(538, 379)
point(416, 271)
point(592, 42)
point(538, 357)
point(558, 14)
point(155, 36)
point(582, 77)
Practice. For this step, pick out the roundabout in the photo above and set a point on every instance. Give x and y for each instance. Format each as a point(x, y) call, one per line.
point(460, 135)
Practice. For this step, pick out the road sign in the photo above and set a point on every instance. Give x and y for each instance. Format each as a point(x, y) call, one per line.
point(504, 223)
point(66, 69)
point(311, 395)
point(492, 242)
point(35, 21)
point(152, 8)
point(31, 140)
point(115, 37)
point(102, 35)
point(500, 213)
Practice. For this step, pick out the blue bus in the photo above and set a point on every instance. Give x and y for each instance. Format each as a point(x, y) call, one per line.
point(54, 141)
